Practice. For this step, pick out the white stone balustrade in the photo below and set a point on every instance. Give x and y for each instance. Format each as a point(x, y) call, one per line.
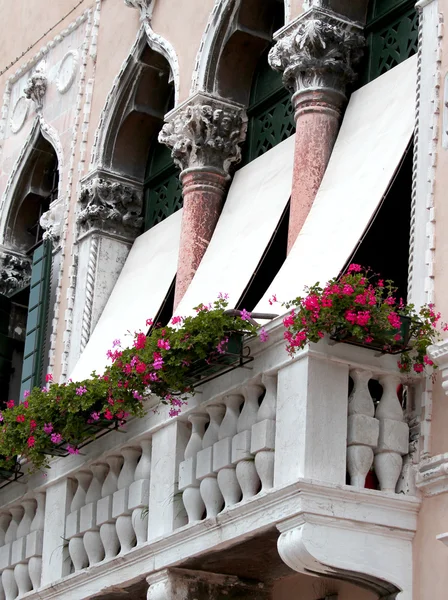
point(21, 543)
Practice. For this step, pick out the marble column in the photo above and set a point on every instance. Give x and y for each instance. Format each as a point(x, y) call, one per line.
point(316, 53)
point(204, 134)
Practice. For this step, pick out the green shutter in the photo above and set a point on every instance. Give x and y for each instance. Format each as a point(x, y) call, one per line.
point(163, 190)
point(392, 35)
point(5, 345)
point(33, 359)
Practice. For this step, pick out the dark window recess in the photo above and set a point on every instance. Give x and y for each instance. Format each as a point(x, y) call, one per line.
point(165, 313)
point(270, 113)
point(392, 36)
point(270, 264)
point(385, 245)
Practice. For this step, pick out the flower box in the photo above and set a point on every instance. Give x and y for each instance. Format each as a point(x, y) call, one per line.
point(233, 356)
point(9, 474)
point(379, 343)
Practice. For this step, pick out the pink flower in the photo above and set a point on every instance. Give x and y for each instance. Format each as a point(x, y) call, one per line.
point(272, 299)
point(245, 315)
point(44, 390)
point(428, 361)
point(397, 337)
point(56, 438)
point(153, 377)
point(140, 341)
point(48, 377)
point(1, 417)
point(360, 299)
point(116, 343)
point(176, 320)
point(394, 320)
point(20, 418)
point(81, 390)
point(350, 316)
point(174, 412)
point(264, 336)
point(368, 339)
point(381, 283)
point(108, 414)
point(149, 322)
point(140, 368)
point(222, 296)
point(389, 300)
point(48, 428)
point(137, 396)
point(26, 393)
point(10, 404)
point(158, 361)
point(363, 317)
point(289, 321)
point(31, 441)
point(221, 347)
point(312, 303)
point(321, 334)
point(347, 289)
point(72, 449)
point(418, 368)
point(33, 424)
point(95, 416)
point(163, 344)
point(326, 302)
point(354, 268)
point(25, 404)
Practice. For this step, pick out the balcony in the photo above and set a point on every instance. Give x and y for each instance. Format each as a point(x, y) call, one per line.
point(272, 454)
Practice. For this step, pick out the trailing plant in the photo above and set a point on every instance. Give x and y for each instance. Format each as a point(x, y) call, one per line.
point(363, 308)
point(63, 416)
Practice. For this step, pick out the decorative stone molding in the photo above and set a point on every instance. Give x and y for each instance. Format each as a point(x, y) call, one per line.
point(67, 71)
point(184, 583)
point(110, 206)
point(318, 50)
point(36, 87)
point(205, 131)
point(15, 272)
point(144, 6)
point(51, 221)
point(439, 354)
point(19, 114)
point(432, 477)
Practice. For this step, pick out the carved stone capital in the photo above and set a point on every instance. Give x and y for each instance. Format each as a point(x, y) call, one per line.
point(111, 206)
point(51, 222)
point(36, 87)
point(205, 132)
point(318, 50)
point(15, 272)
point(144, 6)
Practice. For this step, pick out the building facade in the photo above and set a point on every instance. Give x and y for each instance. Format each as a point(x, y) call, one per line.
point(154, 153)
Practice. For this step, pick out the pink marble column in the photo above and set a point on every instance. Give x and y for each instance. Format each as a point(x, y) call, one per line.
point(316, 54)
point(204, 134)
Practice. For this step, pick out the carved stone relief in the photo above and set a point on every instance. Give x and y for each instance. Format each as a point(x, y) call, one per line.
point(318, 50)
point(19, 114)
point(110, 206)
point(36, 87)
point(51, 221)
point(205, 132)
point(15, 272)
point(67, 71)
point(144, 6)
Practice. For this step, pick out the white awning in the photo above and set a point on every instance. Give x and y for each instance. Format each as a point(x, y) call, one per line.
point(138, 294)
point(257, 198)
point(376, 130)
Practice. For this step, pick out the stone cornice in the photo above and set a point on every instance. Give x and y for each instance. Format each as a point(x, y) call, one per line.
point(318, 50)
point(439, 354)
point(432, 476)
point(205, 132)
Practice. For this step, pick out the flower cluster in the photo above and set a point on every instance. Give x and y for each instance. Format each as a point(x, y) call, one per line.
point(64, 416)
point(361, 308)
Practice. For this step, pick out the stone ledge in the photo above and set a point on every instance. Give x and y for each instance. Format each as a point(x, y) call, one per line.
point(432, 476)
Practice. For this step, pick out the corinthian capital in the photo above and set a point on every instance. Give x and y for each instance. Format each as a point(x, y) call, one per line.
point(111, 206)
point(318, 50)
point(205, 132)
point(36, 87)
point(15, 272)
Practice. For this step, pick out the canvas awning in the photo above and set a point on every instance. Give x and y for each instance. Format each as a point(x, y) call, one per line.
point(138, 294)
point(376, 130)
point(257, 198)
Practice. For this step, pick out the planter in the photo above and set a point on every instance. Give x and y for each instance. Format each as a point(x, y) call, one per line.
point(94, 430)
point(379, 344)
point(9, 475)
point(235, 355)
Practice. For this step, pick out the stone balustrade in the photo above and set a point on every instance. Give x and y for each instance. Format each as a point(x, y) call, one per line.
point(247, 444)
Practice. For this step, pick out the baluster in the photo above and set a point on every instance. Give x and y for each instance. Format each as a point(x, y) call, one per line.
point(8, 579)
point(21, 573)
point(92, 540)
point(222, 452)
point(79, 499)
point(108, 530)
point(363, 428)
point(191, 496)
point(263, 434)
point(5, 519)
point(37, 525)
point(76, 547)
point(2, 591)
point(246, 472)
point(22, 577)
point(9, 584)
point(123, 524)
point(139, 493)
point(11, 532)
point(209, 488)
point(29, 511)
point(393, 441)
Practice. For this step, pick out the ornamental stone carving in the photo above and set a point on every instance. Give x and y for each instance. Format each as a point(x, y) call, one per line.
point(51, 222)
point(144, 6)
point(111, 206)
point(318, 50)
point(205, 132)
point(15, 272)
point(36, 87)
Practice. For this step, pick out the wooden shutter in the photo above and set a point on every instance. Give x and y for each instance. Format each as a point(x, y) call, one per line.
point(33, 359)
point(5, 344)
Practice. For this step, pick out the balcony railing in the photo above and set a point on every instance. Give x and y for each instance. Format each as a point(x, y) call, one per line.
point(247, 453)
